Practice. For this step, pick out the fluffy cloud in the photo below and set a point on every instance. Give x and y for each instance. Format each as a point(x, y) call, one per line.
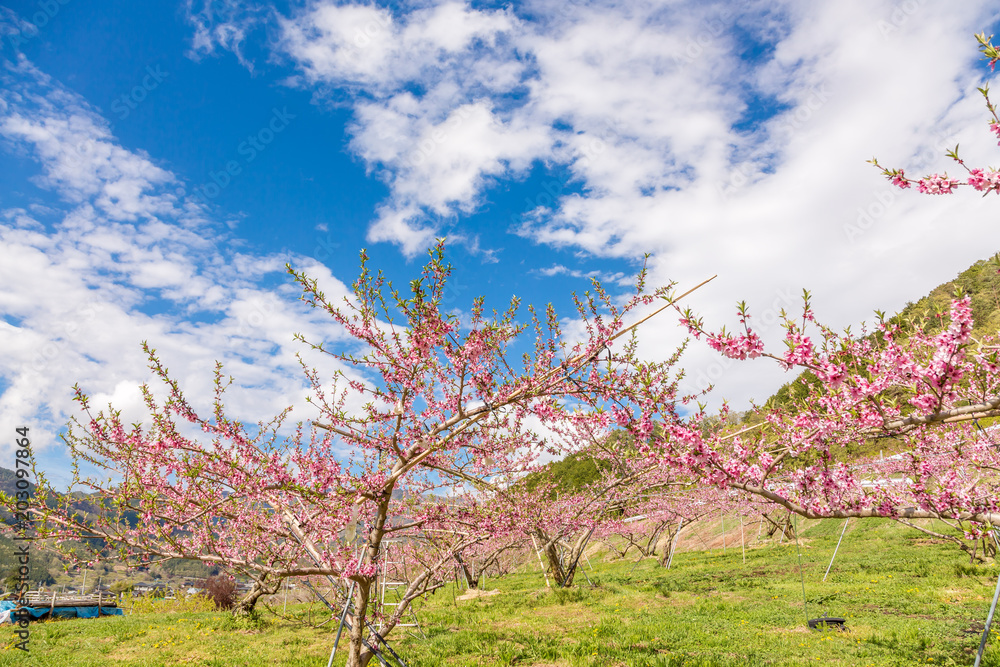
point(440, 147)
point(721, 137)
point(129, 257)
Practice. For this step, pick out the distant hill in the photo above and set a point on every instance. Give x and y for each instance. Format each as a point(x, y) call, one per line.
point(981, 281)
point(8, 482)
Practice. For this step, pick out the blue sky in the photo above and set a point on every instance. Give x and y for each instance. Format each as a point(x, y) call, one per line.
point(162, 161)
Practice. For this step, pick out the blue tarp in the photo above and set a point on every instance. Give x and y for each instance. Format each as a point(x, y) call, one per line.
point(68, 612)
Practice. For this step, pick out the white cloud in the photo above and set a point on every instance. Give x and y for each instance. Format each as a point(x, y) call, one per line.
point(655, 109)
point(226, 23)
point(129, 258)
point(364, 45)
point(617, 278)
point(440, 149)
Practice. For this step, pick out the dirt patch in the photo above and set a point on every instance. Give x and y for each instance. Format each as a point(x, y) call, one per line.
point(975, 628)
point(954, 596)
point(474, 593)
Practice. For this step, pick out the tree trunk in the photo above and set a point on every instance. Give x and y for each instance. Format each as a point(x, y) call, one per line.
point(654, 540)
point(671, 542)
point(556, 569)
point(564, 570)
point(470, 579)
point(781, 526)
point(245, 607)
point(358, 655)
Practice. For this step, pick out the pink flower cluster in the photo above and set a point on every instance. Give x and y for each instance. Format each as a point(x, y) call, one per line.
point(800, 349)
point(937, 184)
point(746, 346)
point(984, 181)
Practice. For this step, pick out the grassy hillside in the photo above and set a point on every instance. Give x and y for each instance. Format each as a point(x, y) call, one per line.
point(981, 281)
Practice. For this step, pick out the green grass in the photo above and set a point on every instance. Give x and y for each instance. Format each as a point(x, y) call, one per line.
point(907, 601)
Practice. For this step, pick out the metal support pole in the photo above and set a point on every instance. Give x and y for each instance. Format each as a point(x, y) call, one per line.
point(673, 544)
point(340, 626)
point(989, 622)
point(364, 643)
point(802, 578)
point(635, 565)
point(793, 529)
point(544, 573)
point(835, 550)
point(743, 544)
point(370, 627)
